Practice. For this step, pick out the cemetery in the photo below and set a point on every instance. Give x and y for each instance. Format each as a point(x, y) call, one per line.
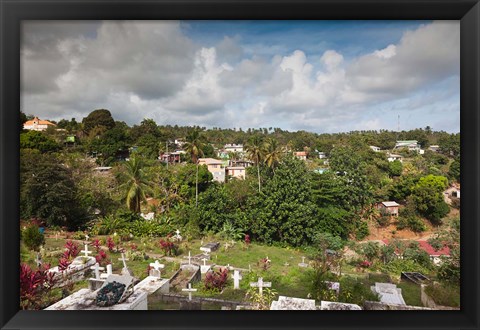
point(207, 274)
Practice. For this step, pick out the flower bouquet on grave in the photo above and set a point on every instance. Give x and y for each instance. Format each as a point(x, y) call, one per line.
point(110, 294)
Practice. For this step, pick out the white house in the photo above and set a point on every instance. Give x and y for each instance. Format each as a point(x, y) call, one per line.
point(393, 157)
point(374, 148)
point(235, 172)
point(37, 125)
point(215, 166)
point(233, 148)
point(301, 155)
point(411, 145)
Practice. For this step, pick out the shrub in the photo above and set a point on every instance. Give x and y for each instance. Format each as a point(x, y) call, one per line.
point(33, 238)
point(34, 285)
point(353, 291)
point(108, 225)
point(411, 222)
point(362, 230)
point(110, 244)
point(216, 280)
point(168, 247)
point(102, 258)
point(71, 250)
point(152, 228)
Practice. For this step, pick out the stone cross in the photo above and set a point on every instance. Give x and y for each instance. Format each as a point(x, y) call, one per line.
point(109, 272)
point(236, 279)
point(189, 258)
point(204, 261)
point(261, 284)
point(87, 237)
point(97, 269)
point(86, 252)
point(189, 290)
point(123, 259)
point(38, 260)
point(157, 267)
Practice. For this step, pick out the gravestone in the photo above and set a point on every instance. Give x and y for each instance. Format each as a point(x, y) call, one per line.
point(260, 284)
point(108, 273)
point(38, 260)
point(210, 247)
point(177, 235)
point(303, 264)
point(97, 270)
point(236, 279)
point(86, 252)
point(189, 258)
point(292, 303)
point(335, 286)
point(156, 269)
point(125, 269)
point(205, 268)
point(189, 290)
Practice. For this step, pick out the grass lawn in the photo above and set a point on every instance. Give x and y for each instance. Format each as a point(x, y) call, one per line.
point(411, 293)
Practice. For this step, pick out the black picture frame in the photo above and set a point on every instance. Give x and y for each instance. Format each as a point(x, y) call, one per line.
point(13, 12)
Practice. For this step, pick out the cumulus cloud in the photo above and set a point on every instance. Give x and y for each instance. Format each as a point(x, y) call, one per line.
point(152, 69)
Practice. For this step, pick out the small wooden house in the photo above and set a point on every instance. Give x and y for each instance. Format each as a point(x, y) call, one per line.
point(389, 207)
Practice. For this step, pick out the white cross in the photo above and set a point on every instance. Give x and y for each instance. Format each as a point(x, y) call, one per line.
point(38, 260)
point(189, 290)
point(236, 279)
point(86, 237)
point(157, 266)
point(109, 272)
point(123, 259)
point(204, 261)
point(189, 257)
point(303, 260)
point(177, 232)
point(226, 245)
point(261, 284)
point(267, 260)
point(97, 269)
point(86, 251)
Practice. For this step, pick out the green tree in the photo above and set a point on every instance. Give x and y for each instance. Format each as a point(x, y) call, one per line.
point(37, 140)
point(134, 183)
point(255, 148)
point(283, 211)
point(454, 170)
point(99, 117)
point(49, 193)
point(395, 168)
point(273, 153)
point(194, 146)
point(428, 198)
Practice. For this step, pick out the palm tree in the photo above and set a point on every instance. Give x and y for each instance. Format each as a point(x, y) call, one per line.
point(273, 153)
point(255, 148)
point(135, 184)
point(194, 146)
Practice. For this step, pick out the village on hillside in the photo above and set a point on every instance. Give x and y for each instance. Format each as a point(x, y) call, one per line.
point(159, 217)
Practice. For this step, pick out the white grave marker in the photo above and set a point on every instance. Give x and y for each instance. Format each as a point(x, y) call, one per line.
point(157, 267)
point(38, 260)
point(204, 261)
point(236, 279)
point(109, 272)
point(123, 259)
point(261, 284)
point(189, 258)
point(97, 269)
point(86, 252)
point(189, 290)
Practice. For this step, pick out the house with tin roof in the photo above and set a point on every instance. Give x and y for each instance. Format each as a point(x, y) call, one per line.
point(37, 124)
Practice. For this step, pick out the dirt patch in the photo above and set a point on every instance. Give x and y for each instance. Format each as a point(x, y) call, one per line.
point(391, 231)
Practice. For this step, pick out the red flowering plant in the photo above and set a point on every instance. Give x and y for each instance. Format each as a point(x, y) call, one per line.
point(216, 280)
point(110, 244)
point(34, 285)
point(168, 247)
point(365, 264)
point(133, 246)
point(71, 251)
point(264, 263)
point(247, 240)
point(102, 258)
point(96, 244)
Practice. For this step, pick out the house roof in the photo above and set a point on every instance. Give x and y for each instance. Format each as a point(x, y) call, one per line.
point(390, 204)
point(235, 168)
point(300, 153)
point(209, 161)
point(395, 155)
point(40, 122)
point(445, 251)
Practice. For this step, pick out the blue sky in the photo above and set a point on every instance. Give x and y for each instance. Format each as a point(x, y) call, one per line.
point(320, 76)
